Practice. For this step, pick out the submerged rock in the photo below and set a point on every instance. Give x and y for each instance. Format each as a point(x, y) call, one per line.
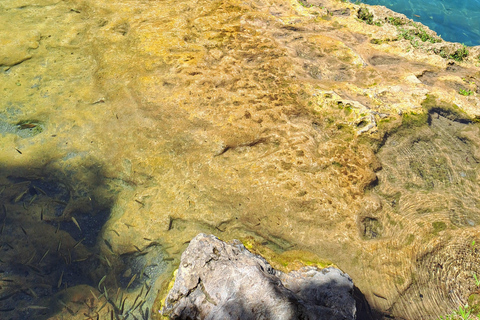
point(217, 280)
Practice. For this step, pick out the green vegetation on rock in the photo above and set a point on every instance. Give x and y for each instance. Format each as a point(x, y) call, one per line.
point(365, 15)
point(438, 226)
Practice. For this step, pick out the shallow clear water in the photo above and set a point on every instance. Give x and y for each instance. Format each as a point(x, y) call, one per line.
point(456, 21)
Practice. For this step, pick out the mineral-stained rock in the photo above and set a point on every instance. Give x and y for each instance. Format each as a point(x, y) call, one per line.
point(217, 280)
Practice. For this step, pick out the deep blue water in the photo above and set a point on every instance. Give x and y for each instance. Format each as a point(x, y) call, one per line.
point(453, 20)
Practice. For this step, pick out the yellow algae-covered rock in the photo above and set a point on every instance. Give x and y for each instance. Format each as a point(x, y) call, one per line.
point(17, 46)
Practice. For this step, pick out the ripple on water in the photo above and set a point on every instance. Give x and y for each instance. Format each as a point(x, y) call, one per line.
point(429, 184)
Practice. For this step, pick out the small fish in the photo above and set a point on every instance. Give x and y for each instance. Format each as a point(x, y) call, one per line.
point(66, 307)
point(33, 292)
point(101, 100)
point(20, 196)
point(148, 291)
point(116, 232)
point(139, 303)
point(31, 259)
point(40, 190)
point(18, 151)
point(93, 294)
point(27, 125)
point(41, 214)
point(108, 245)
point(138, 249)
point(123, 305)
point(106, 292)
point(36, 307)
point(60, 281)
point(103, 305)
point(379, 296)
point(59, 245)
point(76, 223)
point(7, 309)
point(80, 260)
point(64, 258)
point(33, 199)
point(131, 280)
point(416, 15)
point(35, 269)
point(101, 281)
point(136, 299)
point(76, 244)
point(44, 255)
point(108, 262)
point(119, 296)
point(25, 232)
point(59, 202)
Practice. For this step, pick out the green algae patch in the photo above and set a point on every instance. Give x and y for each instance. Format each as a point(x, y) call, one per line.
point(371, 228)
point(432, 170)
point(288, 260)
point(474, 302)
point(413, 120)
point(410, 239)
point(451, 111)
point(438, 226)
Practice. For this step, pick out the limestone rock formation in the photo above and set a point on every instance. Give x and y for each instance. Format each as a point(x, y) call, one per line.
point(217, 280)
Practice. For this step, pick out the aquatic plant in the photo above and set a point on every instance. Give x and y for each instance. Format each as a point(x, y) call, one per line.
point(396, 21)
point(365, 15)
point(477, 281)
point(417, 33)
point(465, 92)
point(463, 313)
point(460, 54)
point(305, 4)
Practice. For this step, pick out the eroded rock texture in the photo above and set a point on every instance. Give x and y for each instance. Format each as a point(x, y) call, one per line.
point(217, 280)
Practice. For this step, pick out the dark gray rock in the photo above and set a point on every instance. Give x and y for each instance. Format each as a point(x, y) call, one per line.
point(217, 280)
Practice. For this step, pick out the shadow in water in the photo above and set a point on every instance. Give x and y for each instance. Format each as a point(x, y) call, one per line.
point(49, 224)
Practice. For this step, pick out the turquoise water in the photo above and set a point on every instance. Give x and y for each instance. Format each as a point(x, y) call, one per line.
point(456, 21)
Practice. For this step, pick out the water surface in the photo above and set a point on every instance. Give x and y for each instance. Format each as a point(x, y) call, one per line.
point(456, 21)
